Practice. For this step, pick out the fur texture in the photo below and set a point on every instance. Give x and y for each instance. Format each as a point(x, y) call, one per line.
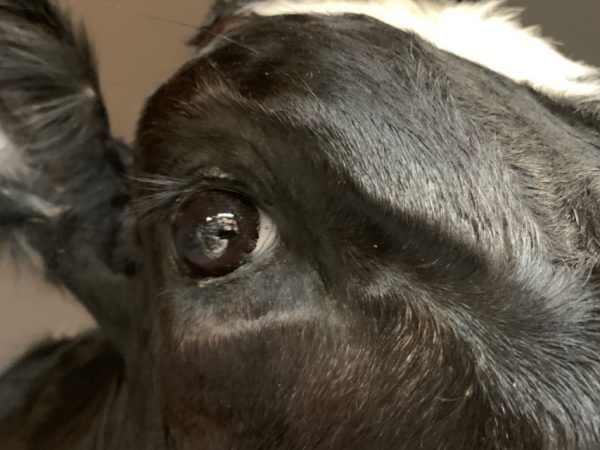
point(62, 191)
point(432, 272)
point(483, 32)
point(437, 263)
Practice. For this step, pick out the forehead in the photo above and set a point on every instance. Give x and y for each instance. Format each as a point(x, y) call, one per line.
point(305, 101)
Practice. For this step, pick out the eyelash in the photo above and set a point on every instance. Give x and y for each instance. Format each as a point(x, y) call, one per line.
point(158, 193)
point(161, 194)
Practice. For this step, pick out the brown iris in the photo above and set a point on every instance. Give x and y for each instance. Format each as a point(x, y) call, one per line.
point(215, 233)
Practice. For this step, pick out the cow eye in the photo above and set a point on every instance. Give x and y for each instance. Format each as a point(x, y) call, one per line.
point(216, 232)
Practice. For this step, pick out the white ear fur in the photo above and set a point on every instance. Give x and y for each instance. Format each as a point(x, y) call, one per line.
point(484, 32)
point(11, 160)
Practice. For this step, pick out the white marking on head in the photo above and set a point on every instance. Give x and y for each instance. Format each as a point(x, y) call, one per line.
point(485, 33)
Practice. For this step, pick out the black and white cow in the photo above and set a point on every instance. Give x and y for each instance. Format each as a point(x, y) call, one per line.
point(343, 225)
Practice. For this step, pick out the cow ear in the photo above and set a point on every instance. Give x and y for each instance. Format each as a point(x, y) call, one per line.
point(63, 189)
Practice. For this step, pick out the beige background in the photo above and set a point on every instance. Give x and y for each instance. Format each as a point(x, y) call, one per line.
point(139, 43)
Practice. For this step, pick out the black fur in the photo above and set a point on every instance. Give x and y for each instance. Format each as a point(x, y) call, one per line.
point(63, 192)
point(435, 280)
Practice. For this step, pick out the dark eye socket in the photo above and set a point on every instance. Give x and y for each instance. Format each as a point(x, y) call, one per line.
point(215, 233)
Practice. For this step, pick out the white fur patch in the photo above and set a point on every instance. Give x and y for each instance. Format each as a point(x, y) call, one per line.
point(12, 164)
point(485, 33)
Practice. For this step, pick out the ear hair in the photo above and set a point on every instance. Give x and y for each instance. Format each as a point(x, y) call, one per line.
point(63, 192)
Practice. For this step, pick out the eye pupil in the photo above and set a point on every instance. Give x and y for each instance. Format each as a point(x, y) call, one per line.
point(215, 233)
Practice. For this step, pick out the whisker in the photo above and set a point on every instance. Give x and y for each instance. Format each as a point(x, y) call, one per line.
point(153, 17)
point(189, 26)
point(172, 21)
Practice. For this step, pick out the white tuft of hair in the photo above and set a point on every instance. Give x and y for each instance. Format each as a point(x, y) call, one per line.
point(12, 164)
point(486, 33)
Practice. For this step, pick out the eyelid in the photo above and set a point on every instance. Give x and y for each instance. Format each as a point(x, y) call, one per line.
point(197, 188)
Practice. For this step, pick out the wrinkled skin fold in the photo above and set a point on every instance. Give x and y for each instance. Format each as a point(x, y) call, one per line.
point(432, 282)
